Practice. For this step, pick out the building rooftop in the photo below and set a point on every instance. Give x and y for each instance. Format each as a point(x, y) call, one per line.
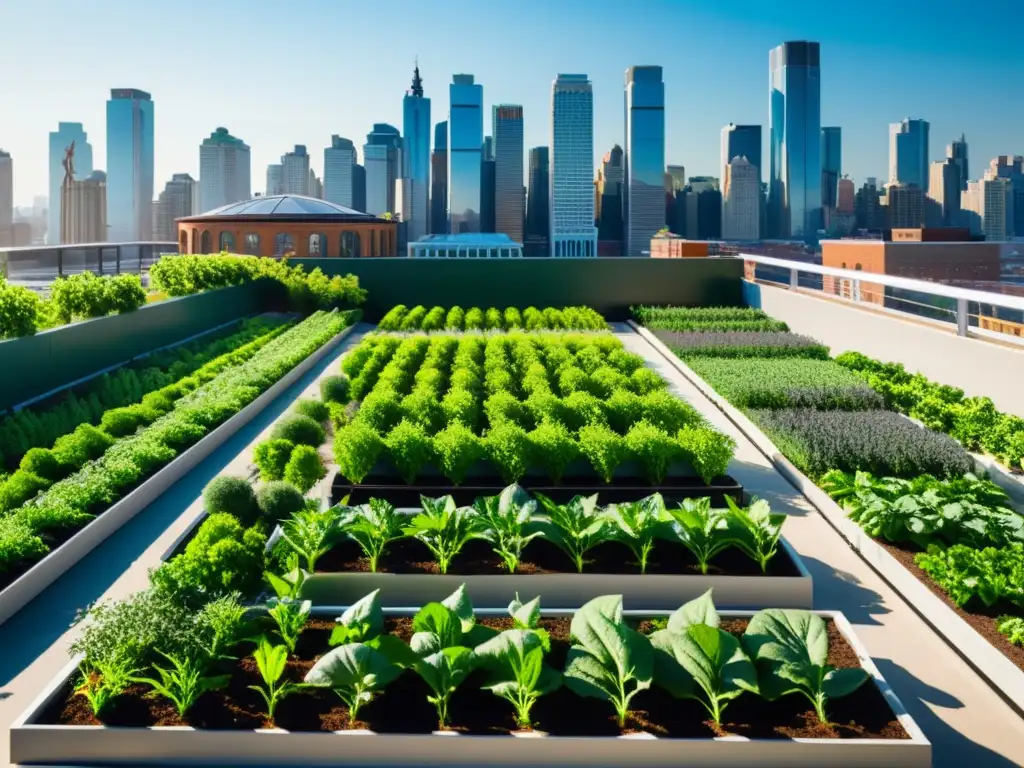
point(284, 206)
point(490, 239)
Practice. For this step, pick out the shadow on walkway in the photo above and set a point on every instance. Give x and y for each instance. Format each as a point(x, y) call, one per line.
point(837, 590)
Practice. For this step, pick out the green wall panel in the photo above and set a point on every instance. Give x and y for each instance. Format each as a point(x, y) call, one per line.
point(33, 365)
point(608, 285)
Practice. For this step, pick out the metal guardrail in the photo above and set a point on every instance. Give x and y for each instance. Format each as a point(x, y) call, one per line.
point(967, 304)
point(38, 266)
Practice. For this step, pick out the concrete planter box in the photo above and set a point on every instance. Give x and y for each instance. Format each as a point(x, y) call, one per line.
point(1001, 476)
point(56, 745)
point(60, 560)
point(1000, 673)
point(568, 590)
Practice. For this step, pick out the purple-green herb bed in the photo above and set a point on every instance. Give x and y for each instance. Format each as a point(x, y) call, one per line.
point(758, 344)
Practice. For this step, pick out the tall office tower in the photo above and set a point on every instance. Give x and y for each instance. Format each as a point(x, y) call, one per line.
point(507, 126)
point(179, 198)
point(84, 210)
point(439, 180)
point(359, 188)
point(487, 210)
point(487, 151)
point(224, 171)
point(745, 141)
point(908, 153)
point(741, 206)
point(6, 196)
point(794, 129)
point(1011, 168)
point(382, 158)
point(957, 152)
point(905, 206)
point(538, 200)
point(416, 157)
point(465, 153)
point(295, 171)
point(831, 165)
point(845, 204)
point(275, 179)
point(984, 205)
point(675, 198)
point(571, 196)
point(316, 187)
point(611, 179)
point(60, 140)
point(868, 207)
point(339, 162)
point(644, 158)
point(943, 201)
point(129, 165)
point(703, 208)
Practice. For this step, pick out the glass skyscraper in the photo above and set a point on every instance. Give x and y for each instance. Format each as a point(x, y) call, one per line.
point(573, 233)
point(339, 169)
point(129, 165)
point(742, 141)
point(382, 157)
point(439, 180)
point(794, 128)
point(465, 153)
point(644, 158)
point(537, 205)
point(908, 153)
point(60, 140)
point(416, 154)
point(831, 165)
point(507, 127)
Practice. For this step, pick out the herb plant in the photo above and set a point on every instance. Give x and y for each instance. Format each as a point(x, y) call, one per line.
point(509, 517)
point(184, 682)
point(445, 528)
point(443, 661)
point(576, 527)
point(104, 680)
point(514, 661)
point(702, 529)
point(640, 524)
point(374, 526)
point(286, 585)
point(289, 616)
point(311, 532)
point(271, 661)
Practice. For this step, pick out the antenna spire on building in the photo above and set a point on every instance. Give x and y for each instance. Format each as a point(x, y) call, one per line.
point(417, 82)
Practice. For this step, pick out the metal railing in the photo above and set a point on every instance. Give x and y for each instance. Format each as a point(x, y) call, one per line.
point(973, 312)
point(38, 266)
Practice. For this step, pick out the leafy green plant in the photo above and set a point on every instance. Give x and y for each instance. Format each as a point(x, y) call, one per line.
point(640, 524)
point(290, 616)
point(334, 389)
point(305, 468)
point(514, 661)
point(508, 447)
point(361, 622)
point(19, 310)
point(233, 496)
point(356, 672)
point(609, 660)
point(444, 528)
point(279, 500)
point(271, 661)
point(790, 650)
point(224, 622)
point(987, 576)
point(654, 449)
point(442, 660)
point(553, 448)
point(314, 409)
point(102, 681)
point(410, 448)
point(457, 449)
point(695, 659)
point(702, 529)
point(604, 449)
point(576, 527)
point(357, 447)
point(286, 585)
point(311, 532)
point(374, 526)
point(510, 523)
point(298, 429)
point(1012, 627)
point(708, 450)
point(271, 457)
point(184, 682)
point(756, 530)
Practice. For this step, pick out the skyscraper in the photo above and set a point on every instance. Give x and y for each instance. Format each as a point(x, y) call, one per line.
point(794, 128)
point(60, 140)
point(831, 165)
point(315, 186)
point(908, 153)
point(465, 153)
point(507, 127)
point(224, 171)
point(741, 206)
point(339, 162)
point(416, 157)
point(537, 204)
point(179, 198)
point(382, 158)
point(275, 179)
point(644, 158)
point(611, 180)
point(487, 211)
point(957, 152)
point(571, 201)
point(129, 165)
point(295, 171)
point(84, 210)
point(742, 141)
point(675, 198)
point(943, 203)
point(359, 188)
point(1011, 168)
point(439, 180)
point(6, 196)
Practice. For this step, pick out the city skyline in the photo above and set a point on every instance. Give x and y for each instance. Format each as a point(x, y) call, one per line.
point(860, 92)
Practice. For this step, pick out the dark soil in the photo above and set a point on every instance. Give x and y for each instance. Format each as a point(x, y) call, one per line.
point(403, 707)
point(543, 557)
point(980, 618)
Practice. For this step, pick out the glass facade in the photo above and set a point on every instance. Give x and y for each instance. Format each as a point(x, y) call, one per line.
point(416, 154)
point(644, 158)
point(908, 153)
point(537, 203)
point(465, 154)
point(382, 156)
point(831, 165)
point(794, 125)
point(571, 196)
point(742, 141)
point(129, 165)
point(339, 163)
point(509, 213)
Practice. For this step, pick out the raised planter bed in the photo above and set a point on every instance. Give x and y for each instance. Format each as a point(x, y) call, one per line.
point(775, 734)
point(672, 578)
point(31, 583)
point(1004, 676)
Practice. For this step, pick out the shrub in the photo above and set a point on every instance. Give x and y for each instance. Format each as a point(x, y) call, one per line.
point(756, 344)
point(545, 407)
point(42, 462)
point(353, 362)
point(279, 501)
point(604, 449)
point(508, 447)
point(232, 496)
point(494, 319)
point(513, 319)
point(334, 389)
point(474, 319)
point(653, 448)
point(552, 447)
point(357, 446)
point(582, 409)
point(19, 542)
point(644, 380)
point(424, 409)
point(160, 401)
point(606, 380)
point(392, 319)
point(455, 319)
point(502, 408)
point(304, 468)
point(381, 409)
point(589, 359)
point(571, 379)
point(124, 293)
point(410, 448)
point(299, 429)
point(271, 457)
point(434, 319)
point(120, 422)
point(625, 362)
point(624, 408)
point(459, 405)
point(19, 310)
point(19, 488)
point(457, 449)
point(413, 320)
point(668, 412)
point(315, 409)
point(83, 445)
point(708, 451)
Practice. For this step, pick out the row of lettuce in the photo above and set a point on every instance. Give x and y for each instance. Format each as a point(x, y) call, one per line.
point(419, 318)
point(518, 404)
point(92, 468)
point(840, 421)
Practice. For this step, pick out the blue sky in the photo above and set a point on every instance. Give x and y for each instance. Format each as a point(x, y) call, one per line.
point(281, 73)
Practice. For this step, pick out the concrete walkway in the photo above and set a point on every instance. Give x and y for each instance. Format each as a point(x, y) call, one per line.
point(968, 724)
point(34, 642)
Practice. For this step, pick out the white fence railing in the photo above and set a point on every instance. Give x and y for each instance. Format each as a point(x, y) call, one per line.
point(850, 285)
